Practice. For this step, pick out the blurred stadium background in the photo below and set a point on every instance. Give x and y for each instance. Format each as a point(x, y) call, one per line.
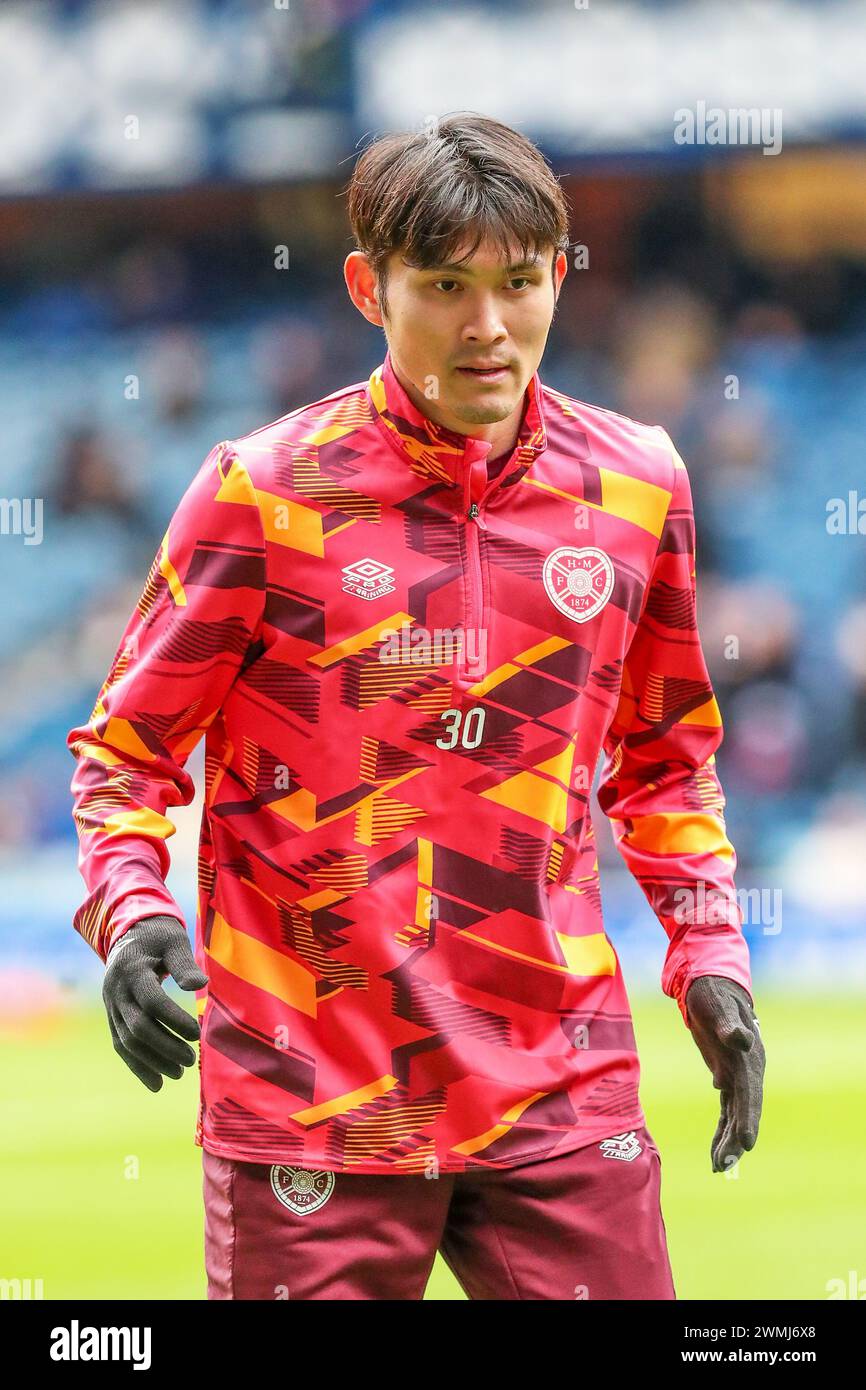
point(154, 159)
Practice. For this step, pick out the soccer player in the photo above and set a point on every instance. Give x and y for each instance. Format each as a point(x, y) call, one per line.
point(409, 619)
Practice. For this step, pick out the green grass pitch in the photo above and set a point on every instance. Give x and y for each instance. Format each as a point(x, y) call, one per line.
point(76, 1123)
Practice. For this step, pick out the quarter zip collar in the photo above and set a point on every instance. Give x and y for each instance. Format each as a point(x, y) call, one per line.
point(434, 451)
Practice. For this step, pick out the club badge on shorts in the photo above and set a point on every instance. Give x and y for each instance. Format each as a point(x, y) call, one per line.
point(623, 1146)
point(302, 1190)
point(578, 582)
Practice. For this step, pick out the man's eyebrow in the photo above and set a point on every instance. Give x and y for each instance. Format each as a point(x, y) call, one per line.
point(464, 269)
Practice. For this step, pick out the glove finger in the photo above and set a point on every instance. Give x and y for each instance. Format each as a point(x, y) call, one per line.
point(746, 1034)
point(749, 1075)
point(147, 1058)
point(140, 1034)
point(729, 1151)
point(739, 1037)
point(147, 991)
point(748, 1097)
point(731, 1050)
point(145, 1055)
point(741, 1131)
point(721, 1128)
point(151, 1079)
point(717, 1013)
point(128, 1045)
point(734, 1029)
point(180, 964)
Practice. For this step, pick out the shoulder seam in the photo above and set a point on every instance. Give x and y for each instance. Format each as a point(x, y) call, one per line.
point(601, 409)
point(673, 482)
point(357, 386)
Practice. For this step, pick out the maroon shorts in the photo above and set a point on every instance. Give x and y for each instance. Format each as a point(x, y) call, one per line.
point(585, 1225)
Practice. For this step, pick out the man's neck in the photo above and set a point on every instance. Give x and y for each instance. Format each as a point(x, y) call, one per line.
point(501, 434)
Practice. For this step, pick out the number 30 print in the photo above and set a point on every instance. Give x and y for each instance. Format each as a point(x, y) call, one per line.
point(471, 734)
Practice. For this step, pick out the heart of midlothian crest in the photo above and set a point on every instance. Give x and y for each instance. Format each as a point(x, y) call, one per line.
point(578, 581)
point(302, 1190)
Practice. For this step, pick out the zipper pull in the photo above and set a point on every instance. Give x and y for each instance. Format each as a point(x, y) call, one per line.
point(473, 510)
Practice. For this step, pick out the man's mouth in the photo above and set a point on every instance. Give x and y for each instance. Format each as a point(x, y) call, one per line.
point(494, 373)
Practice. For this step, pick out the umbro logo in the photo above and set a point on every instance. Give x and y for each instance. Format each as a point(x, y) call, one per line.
point(623, 1146)
point(368, 578)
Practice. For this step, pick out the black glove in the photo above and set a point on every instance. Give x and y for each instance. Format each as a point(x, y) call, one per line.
point(138, 1007)
point(724, 1026)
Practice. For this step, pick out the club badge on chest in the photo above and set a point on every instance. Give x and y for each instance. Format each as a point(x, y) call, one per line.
point(578, 581)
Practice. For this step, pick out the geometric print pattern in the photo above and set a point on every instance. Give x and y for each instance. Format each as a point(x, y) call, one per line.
point(399, 909)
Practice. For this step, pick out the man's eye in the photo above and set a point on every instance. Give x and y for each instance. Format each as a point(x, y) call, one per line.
point(515, 279)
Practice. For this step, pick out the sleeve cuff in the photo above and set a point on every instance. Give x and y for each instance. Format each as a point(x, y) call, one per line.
point(132, 909)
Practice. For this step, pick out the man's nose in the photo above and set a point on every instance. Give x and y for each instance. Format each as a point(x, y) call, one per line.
point(484, 323)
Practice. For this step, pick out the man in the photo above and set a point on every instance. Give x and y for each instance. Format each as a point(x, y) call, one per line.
point(409, 618)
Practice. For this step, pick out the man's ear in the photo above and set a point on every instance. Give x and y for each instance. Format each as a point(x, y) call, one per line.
point(561, 265)
point(362, 287)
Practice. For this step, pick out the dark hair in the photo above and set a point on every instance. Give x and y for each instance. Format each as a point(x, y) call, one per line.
point(423, 192)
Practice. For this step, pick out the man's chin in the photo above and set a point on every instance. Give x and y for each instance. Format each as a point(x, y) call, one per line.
point(483, 412)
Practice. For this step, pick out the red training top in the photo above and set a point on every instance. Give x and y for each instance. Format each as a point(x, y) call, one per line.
point(406, 673)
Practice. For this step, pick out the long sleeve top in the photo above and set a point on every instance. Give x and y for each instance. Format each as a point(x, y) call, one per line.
point(406, 672)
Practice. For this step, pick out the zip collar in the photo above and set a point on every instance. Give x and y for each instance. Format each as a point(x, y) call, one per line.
point(432, 450)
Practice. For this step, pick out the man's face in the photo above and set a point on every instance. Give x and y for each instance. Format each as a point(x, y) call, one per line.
point(443, 322)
